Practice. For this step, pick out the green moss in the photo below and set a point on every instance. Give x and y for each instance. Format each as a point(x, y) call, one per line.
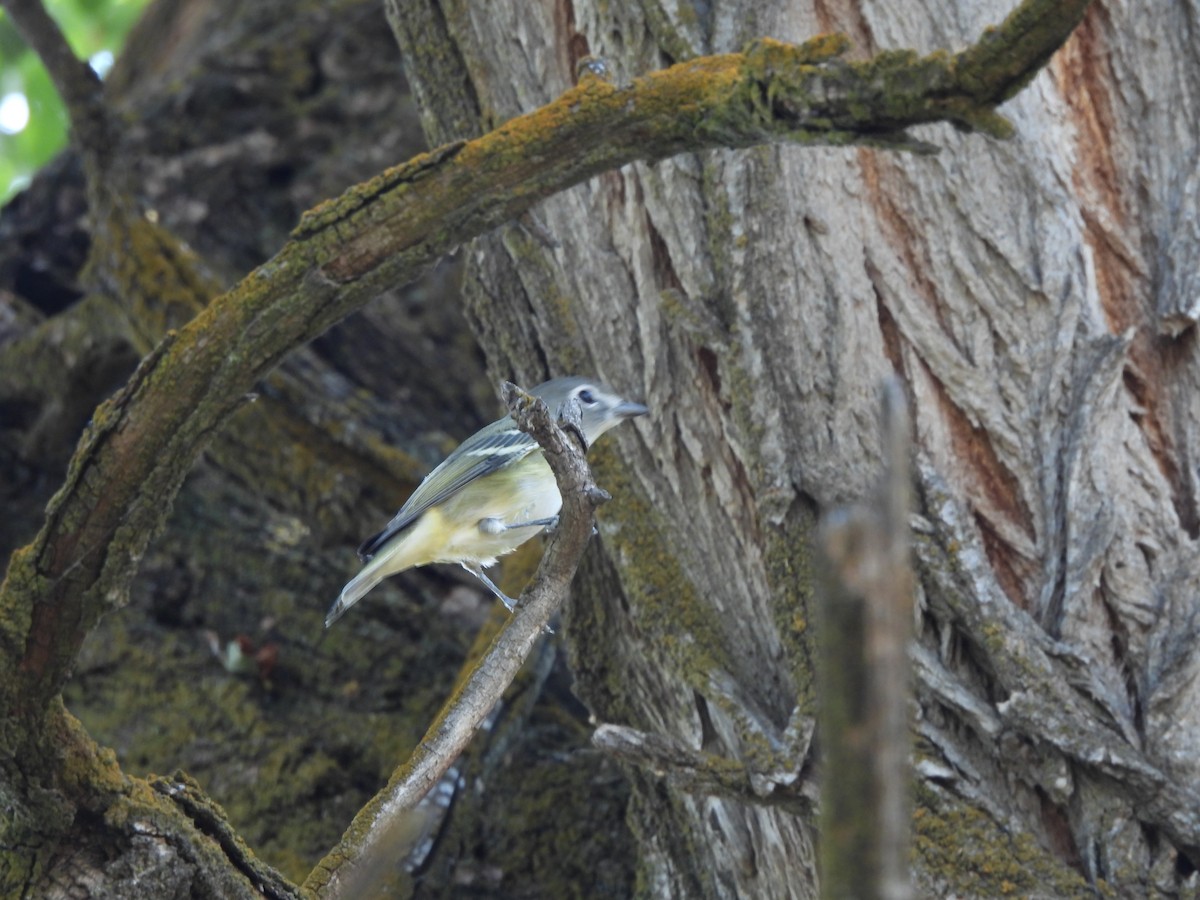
point(999, 64)
point(960, 847)
point(549, 843)
point(21, 583)
point(156, 277)
point(288, 787)
point(768, 55)
point(994, 638)
point(789, 563)
point(83, 765)
point(362, 196)
point(672, 614)
point(75, 774)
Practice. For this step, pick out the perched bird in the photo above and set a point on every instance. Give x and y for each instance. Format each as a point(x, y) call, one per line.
point(492, 494)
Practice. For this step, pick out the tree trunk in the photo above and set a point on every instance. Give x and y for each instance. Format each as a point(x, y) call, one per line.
point(1034, 295)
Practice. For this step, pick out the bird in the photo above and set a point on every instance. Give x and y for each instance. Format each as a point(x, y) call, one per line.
point(494, 492)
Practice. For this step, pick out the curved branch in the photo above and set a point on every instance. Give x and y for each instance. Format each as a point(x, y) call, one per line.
point(132, 459)
point(341, 873)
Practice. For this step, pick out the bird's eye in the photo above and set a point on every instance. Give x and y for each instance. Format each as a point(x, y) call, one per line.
point(586, 397)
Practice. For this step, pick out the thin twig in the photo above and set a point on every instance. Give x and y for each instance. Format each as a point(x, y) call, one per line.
point(341, 873)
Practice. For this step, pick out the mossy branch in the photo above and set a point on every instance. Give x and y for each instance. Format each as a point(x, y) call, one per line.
point(210, 820)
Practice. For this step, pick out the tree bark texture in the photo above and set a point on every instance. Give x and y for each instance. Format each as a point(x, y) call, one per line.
point(1034, 295)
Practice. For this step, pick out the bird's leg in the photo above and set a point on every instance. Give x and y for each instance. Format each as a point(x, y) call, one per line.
point(493, 525)
point(477, 571)
point(548, 524)
point(510, 603)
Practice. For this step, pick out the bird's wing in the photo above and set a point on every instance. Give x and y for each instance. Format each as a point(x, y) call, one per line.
point(487, 450)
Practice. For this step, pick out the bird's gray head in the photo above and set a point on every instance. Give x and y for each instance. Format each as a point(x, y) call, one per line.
point(601, 407)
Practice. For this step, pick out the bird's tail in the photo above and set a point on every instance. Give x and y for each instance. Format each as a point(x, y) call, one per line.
point(373, 573)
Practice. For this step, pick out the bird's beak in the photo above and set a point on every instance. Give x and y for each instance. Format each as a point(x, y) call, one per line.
point(627, 409)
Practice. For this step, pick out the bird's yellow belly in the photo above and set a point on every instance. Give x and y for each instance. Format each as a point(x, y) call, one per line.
point(525, 493)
